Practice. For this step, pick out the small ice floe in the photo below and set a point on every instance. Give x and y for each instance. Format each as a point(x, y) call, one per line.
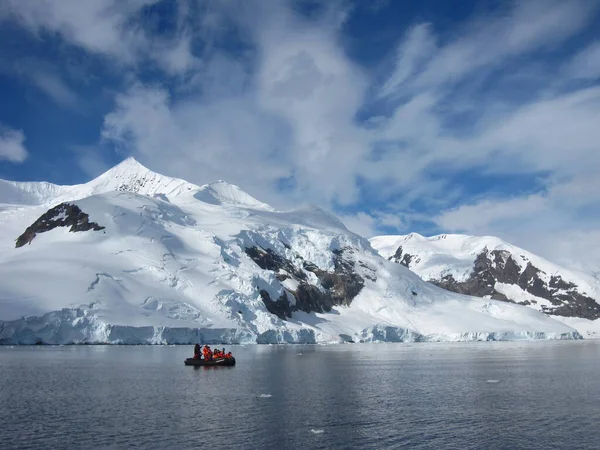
point(317, 431)
point(298, 354)
point(265, 396)
point(492, 381)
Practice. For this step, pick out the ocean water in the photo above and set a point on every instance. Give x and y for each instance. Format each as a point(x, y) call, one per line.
point(443, 396)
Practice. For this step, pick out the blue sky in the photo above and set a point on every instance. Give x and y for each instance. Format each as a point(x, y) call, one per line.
point(477, 117)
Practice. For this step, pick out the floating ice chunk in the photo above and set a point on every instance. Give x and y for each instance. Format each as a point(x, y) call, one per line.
point(299, 354)
point(317, 431)
point(265, 396)
point(492, 381)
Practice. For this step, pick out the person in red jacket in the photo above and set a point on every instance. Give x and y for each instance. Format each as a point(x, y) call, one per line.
point(197, 351)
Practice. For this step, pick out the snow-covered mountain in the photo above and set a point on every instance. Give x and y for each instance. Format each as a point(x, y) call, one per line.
point(137, 257)
point(491, 268)
point(129, 176)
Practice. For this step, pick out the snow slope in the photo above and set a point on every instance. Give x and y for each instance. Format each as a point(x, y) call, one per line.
point(172, 265)
point(452, 255)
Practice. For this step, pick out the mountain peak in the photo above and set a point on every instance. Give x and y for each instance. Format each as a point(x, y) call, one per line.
point(132, 176)
point(131, 162)
point(128, 165)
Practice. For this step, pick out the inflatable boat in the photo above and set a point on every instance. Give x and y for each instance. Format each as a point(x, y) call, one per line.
point(212, 362)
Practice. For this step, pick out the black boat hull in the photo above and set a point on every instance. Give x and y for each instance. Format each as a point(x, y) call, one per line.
point(215, 362)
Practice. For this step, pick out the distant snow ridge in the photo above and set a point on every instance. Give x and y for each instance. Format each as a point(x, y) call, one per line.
point(220, 193)
point(176, 263)
point(491, 268)
point(128, 176)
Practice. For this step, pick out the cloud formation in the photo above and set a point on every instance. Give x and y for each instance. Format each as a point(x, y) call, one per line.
point(12, 148)
point(113, 29)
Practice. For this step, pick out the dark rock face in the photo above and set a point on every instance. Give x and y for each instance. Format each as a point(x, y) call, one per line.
point(486, 271)
point(269, 260)
point(63, 215)
point(334, 288)
point(280, 307)
point(499, 266)
point(398, 257)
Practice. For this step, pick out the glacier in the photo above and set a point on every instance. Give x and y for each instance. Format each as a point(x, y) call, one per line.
point(175, 263)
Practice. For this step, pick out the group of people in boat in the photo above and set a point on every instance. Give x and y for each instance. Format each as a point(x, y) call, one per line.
point(210, 355)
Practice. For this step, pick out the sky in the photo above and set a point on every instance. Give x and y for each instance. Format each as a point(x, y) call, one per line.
point(478, 117)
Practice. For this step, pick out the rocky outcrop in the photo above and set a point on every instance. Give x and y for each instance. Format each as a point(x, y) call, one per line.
point(499, 266)
point(487, 269)
point(338, 287)
point(63, 215)
point(402, 258)
point(281, 307)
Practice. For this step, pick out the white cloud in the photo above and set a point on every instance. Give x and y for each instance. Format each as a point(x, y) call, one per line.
point(360, 223)
point(389, 220)
point(575, 247)
point(488, 214)
point(293, 117)
point(96, 25)
point(586, 63)
point(111, 28)
point(488, 42)
point(44, 76)
point(417, 47)
point(55, 88)
point(558, 134)
point(198, 141)
point(554, 224)
point(371, 224)
point(91, 160)
point(308, 82)
point(12, 148)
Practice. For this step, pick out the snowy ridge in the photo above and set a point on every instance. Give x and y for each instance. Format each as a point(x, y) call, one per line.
point(221, 192)
point(454, 257)
point(129, 176)
point(29, 193)
point(171, 262)
point(454, 254)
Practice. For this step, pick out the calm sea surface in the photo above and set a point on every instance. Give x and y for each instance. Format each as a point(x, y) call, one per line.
point(481, 395)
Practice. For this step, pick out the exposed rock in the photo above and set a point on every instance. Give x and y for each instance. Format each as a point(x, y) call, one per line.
point(280, 307)
point(476, 286)
point(369, 272)
point(499, 266)
point(399, 258)
point(334, 288)
point(506, 269)
point(396, 257)
point(63, 215)
point(269, 260)
point(343, 284)
point(310, 298)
